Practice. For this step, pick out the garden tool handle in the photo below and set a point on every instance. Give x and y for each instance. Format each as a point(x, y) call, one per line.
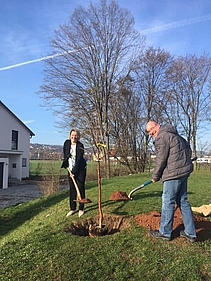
point(148, 182)
point(75, 184)
point(139, 187)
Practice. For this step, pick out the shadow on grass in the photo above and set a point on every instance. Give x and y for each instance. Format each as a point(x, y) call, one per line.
point(118, 205)
point(203, 230)
point(17, 215)
point(144, 195)
point(108, 203)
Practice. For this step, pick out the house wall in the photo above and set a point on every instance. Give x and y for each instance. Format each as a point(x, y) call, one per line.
point(9, 122)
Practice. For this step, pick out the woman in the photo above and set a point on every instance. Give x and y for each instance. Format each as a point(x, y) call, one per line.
point(73, 151)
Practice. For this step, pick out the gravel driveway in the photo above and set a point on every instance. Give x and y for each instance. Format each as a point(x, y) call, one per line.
point(14, 195)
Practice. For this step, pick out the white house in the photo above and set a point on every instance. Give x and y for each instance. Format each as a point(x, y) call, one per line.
point(14, 147)
point(204, 159)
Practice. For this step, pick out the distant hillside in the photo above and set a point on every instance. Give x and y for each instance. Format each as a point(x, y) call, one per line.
point(45, 151)
point(46, 146)
point(53, 152)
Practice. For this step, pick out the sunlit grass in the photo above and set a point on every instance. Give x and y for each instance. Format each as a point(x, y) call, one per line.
point(35, 246)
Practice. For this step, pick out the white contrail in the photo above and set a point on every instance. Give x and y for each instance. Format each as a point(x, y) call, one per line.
point(176, 24)
point(28, 62)
point(32, 61)
point(41, 59)
point(163, 27)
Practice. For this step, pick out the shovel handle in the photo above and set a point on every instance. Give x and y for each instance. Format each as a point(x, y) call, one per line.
point(148, 182)
point(75, 184)
point(139, 187)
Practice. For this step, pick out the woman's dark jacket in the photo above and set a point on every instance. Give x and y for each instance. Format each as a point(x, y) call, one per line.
point(80, 162)
point(173, 155)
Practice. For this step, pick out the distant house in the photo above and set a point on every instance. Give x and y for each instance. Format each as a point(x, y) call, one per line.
point(204, 159)
point(14, 147)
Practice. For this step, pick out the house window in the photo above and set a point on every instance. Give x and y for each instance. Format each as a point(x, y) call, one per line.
point(14, 140)
point(23, 162)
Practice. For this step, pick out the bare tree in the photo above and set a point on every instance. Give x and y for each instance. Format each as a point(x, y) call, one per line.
point(90, 52)
point(150, 75)
point(125, 120)
point(189, 93)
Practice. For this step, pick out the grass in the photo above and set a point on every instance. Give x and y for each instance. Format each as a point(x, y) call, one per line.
point(39, 168)
point(35, 246)
point(43, 167)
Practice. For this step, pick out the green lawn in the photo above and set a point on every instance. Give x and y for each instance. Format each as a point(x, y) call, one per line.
point(40, 168)
point(35, 246)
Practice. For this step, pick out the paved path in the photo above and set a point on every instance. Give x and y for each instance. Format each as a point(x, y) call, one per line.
point(14, 195)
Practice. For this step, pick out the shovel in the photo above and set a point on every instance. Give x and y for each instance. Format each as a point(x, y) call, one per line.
point(148, 182)
point(80, 200)
point(139, 187)
point(122, 196)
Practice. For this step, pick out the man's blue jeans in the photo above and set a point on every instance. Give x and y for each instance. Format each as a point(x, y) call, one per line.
point(175, 191)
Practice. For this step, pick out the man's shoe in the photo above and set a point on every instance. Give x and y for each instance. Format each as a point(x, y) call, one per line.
point(189, 238)
point(80, 213)
point(71, 212)
point(157, 234)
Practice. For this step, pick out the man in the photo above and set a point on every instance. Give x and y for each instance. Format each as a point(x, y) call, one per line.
point(173, 166)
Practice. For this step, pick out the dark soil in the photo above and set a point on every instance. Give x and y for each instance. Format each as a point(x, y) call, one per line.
point(119, 196)
point(150, 221)
point(113, 224)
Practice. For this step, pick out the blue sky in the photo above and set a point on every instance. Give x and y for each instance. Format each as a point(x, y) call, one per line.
point(178, 26)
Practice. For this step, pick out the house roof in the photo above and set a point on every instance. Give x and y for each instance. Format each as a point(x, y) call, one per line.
point(11, 113)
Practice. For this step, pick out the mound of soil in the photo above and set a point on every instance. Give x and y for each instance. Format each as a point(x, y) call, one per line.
point(152, 221)
point(119, 196)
